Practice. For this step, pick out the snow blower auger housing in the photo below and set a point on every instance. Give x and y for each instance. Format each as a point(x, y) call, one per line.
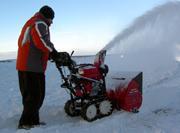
point(126, 92)
point(89, 97)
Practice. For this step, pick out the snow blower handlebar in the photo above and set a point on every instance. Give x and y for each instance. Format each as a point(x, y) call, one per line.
point(63, 59)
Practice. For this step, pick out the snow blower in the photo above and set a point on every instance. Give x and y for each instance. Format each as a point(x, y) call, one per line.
point(89, 96)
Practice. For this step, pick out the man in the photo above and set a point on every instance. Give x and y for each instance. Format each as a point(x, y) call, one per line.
point(34, 47)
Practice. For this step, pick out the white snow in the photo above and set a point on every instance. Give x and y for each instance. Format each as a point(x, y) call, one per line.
point(150, 45)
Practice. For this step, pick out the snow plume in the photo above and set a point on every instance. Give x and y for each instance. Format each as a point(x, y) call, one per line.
point(151, 44)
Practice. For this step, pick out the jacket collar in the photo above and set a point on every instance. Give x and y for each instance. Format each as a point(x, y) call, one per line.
point(41, 17)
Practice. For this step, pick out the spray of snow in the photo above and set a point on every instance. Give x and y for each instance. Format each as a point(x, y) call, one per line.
point(151, 44)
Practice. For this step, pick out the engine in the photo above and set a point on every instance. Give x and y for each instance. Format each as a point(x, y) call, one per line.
point(89, 80)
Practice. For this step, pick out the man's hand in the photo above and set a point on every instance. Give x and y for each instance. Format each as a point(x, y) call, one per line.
point(53, 55)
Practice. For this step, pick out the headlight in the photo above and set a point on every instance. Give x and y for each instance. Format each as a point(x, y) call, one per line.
point(81, 71)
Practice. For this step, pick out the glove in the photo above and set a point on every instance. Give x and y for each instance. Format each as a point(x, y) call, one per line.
point(53, 55)
point(63, 59)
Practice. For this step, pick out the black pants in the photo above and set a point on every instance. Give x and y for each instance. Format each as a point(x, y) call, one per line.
point(32, 88)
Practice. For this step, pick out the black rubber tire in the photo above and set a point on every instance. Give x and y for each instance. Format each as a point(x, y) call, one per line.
point(84, 113)
point(70, 109)
point(109, 113)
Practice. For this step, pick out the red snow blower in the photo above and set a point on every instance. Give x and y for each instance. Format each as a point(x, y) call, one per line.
point(89, 96)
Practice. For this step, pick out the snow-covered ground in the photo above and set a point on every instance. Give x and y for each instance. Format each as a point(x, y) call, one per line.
point(159, 113)
point(145, 46)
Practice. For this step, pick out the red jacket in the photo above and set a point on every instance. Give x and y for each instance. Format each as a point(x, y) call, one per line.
point(34, 45)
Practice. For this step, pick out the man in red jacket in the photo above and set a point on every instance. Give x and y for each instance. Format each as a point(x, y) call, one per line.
point(34, 47)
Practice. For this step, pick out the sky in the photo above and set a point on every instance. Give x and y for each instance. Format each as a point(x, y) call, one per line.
point(84, 26)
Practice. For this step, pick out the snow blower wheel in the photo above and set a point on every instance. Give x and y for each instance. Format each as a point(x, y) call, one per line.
point(89, 112)
point(70, 108)
point(105, 108)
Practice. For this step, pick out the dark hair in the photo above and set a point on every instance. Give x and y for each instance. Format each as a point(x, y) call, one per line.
point(47, 12)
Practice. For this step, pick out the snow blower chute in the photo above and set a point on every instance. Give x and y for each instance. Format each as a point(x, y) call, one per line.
point(90, 96)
